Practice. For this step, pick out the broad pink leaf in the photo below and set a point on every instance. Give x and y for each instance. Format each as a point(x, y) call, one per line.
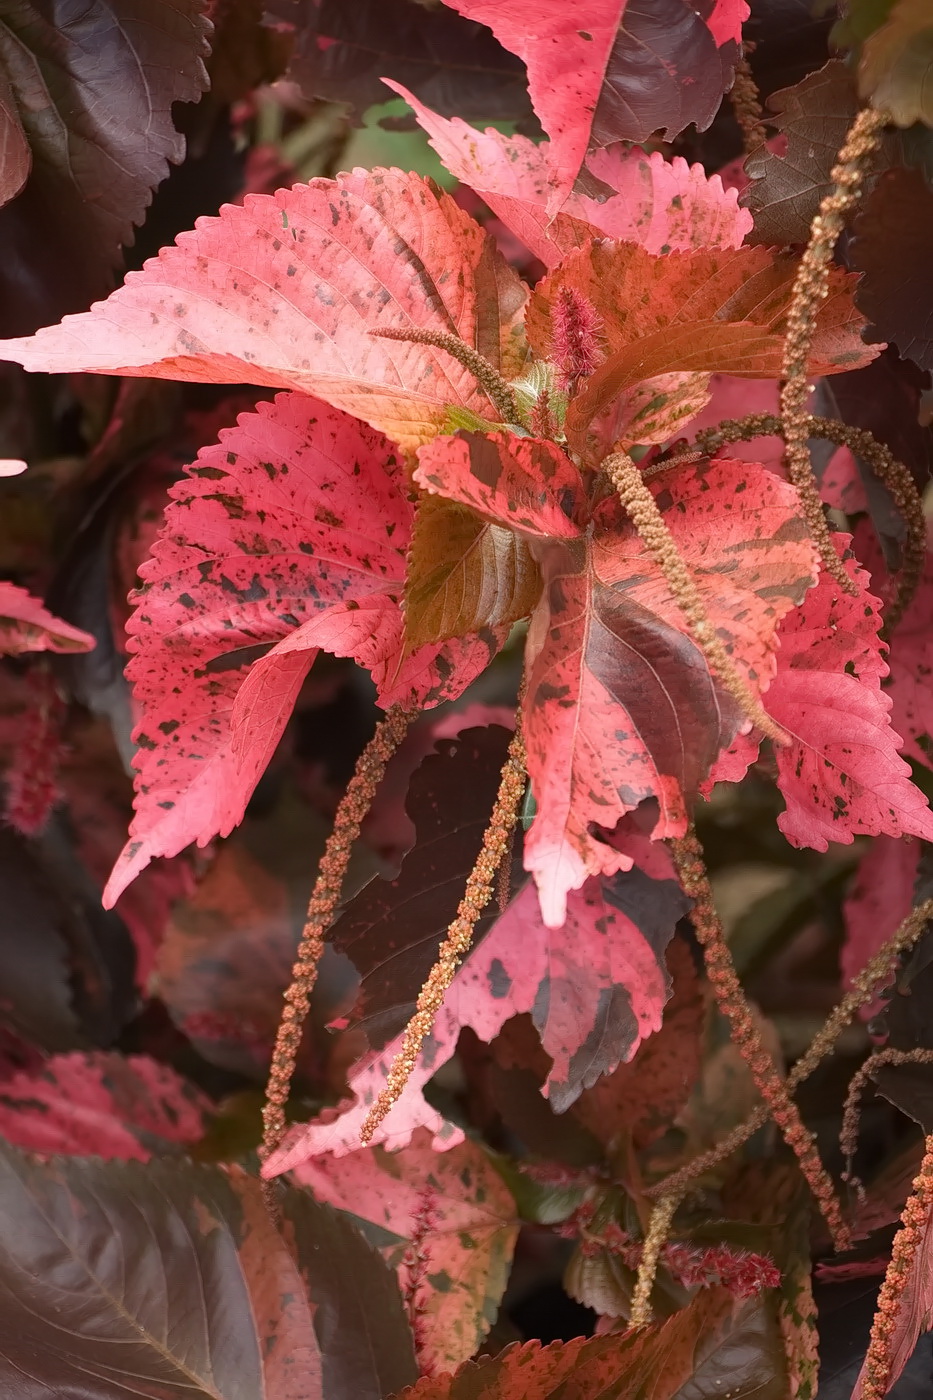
point(463, 1219)
point(841, 776)
point(615, 72)
point(284, 290)
point(596, 988)
point(880, 899)
point(621, 704)
point(101, 1105)
point(665, 206)
point(289, 533)
point(25, 625)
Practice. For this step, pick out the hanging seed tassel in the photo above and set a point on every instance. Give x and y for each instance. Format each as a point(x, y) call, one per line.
point(325, 896)
point(810, 288)
point(848, 1136)
point(652, 529)
point(659, 1228)
point(877, 971)
point(496, 389)
point(915, 1221)
point(746, 105)
point(477, 894)
point(886, 467)
point(32, 779)
point(720, 969)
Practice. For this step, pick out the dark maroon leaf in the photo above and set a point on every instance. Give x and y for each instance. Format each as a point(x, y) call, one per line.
point(361, 1327)
point(93, 88)
point(908, 1021)
point(65, 963)
point(709, 1349)
point(786, 190)
point(789, 38)
point(169, 1280)
point(392, 929)
point(893, 247)
point(455, 66)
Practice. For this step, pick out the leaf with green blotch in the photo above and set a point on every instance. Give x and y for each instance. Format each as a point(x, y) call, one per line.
point(462, 1218)
point(896, 64)
point(464, 573)
point(685, 1358)
point(171, 1279)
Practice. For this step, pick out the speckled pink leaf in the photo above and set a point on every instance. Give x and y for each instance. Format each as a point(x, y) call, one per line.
point(527, 484)
point(615, 72)
point(880, 899)
point(596, 988)
point(620, 703)
point(666, 206)
point(288, 534)
point(25, 625)
point(284, 290)
point(464, 1218)
point(910, 651)
point(841, 776)
point(101, 1105)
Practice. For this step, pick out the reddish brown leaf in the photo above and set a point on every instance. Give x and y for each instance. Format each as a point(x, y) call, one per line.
point(464, 574)
point(172, 1278)
point(896, 63)
point(685, 1358)
point(786, 188)
point(892, 246)
point(880, 899)
point(688, 313)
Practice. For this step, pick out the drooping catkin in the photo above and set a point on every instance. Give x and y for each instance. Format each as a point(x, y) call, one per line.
point(322, 905)
point(746, 105)
point(915, 1221)
point(496, 389)
point(652, 529)
point(659, 1227)
point(848, 1134)
point(878, 970)
point(477, 893)
point(730, 999)
point(811, 287)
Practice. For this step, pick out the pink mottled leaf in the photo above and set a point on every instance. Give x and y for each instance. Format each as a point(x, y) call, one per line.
point(462, 1219)
point(596, 988)
point(288, 534)
point(880, 899)
point(618, 72)
point(25, 625)
point(910, 652)
point(284, 290)
point(526, 484)
point(841, 776)
point(101, 1105)
point(621, 704)
point(665, 206)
